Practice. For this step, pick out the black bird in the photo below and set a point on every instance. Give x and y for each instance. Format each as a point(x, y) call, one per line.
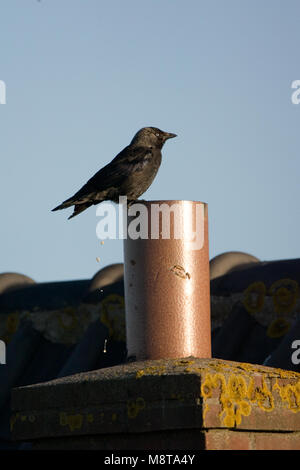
point(129, 174)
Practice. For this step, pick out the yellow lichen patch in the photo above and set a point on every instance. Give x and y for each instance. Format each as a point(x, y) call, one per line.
point(74, 421)
point(184, 362)
point(237, 387)
point(233, 399)
point(191, 370)
point(229, 412)
point(139, 374)
point(218, 367)
point(221, 365)
point(227, 394)
point(278, 327)
point(13, 420)
point(261, 395)
point(135, 406)
point(243, 368)
point(289, 393)
point(112, 316)
point(205, 410)
point(284, 293)
point(207, 386)
point(90, 418)
point(254, 297)
point(270, 371)
point(152, 370)
point(236, 397)
point(245, 408)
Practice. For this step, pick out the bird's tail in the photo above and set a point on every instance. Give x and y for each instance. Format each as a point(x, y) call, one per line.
point(79, 208)
point(64, 205)
point(80, 198)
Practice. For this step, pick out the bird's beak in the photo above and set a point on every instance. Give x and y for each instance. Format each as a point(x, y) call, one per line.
point(169, 135)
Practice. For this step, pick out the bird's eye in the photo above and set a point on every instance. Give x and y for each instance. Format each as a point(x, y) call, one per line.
point(157, 135)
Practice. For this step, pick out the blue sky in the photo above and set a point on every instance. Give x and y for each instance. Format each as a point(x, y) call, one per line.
point(82, 76)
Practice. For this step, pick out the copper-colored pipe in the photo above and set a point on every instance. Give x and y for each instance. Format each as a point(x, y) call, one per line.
point(167, 287)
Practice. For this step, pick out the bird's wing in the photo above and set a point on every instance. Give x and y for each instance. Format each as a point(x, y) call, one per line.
point(128, 161)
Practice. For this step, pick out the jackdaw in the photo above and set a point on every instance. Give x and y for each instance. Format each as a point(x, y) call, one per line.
point(129, 174)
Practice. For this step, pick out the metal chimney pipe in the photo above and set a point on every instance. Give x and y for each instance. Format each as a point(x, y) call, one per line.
point(167, 284)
